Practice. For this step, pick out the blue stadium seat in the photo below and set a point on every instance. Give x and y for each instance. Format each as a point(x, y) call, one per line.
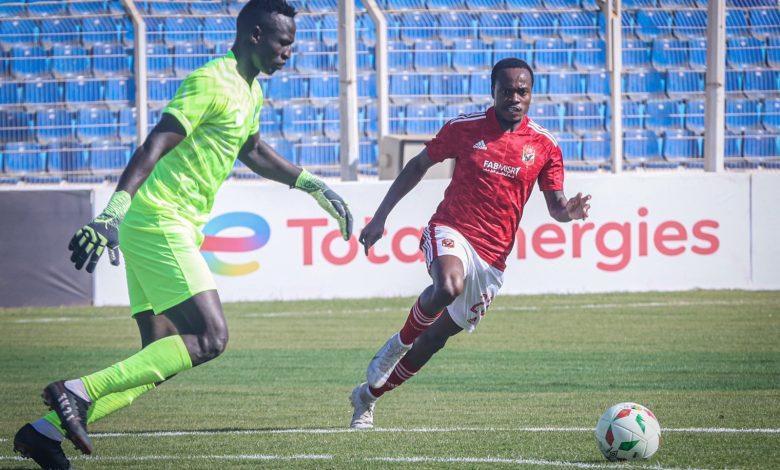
point(745, 52)
point(161, 90)
point(517, 48)
point(733, 145)
point(548, 115)
point(369, 151)
point(397, 119)
point(680, 144)
point(585, 117)
point(119, 92)
point(644, 84)
point(733, 83)
point(13, 9)
point(323, 88)
point(23, 157)
point(416, 26)
point(366, 84)
point(94, 124)
point(182, 30)
point(451, 111)
point(627, 24)
point(323, 6)
point(307, 28)
point(159, 61)
point(70, 62)
point(770, 118)
point(58, 31)
point(597, 147)
point(742, 115)
point(761, 83)
point(331, 123)
point(641, 145)
point(313, 57)
point(128, 118)
point(670, 54)
point(188, 57)
point(365, 57)
point(218, 30)
point(760, 144)
point(366, 33)
point(155, 30)
point(552, 55)
point(597, 85)
point(401, 5)
point(445, 4)
point(470, 55)
point(736, 23)
point(83, 91)
point(538, 25)
point(690, 24)
point(315, 150)
point(29, 62)
point(636, 54)
point(10, 93)
point(15, 126)
point(286, 87)
point(449, 87)
point(284, 148)
point(406, 88)
point(111, 60)
point(153, 117)
point(684, 83)
point(18, 32)
point(456, 26)
point(750, 3)
point(652, 24)
point(664, 114)
point(46, 9)
point(367, 116)
point(400, 56)
point(329, 30)
point(54, 125)
point(494, 26)
point(590, 54)
point(578, 24)
point(479, 87)
point(431, 56)
point(570, 145)
point(100, 30)
point(108, 155)
point(697, 54)
point(562, 4)
point(68, 158)
point(637, 4)
point(565, 86)
point(633, 114)
point(773, 52)
point(300, 120)
point(40, 92)
point(694, 116)
point(270, 122)
point(676, 4)
point(207, 9)
point(524, 5)
point(423, 119)
point(87, 8)
point(765, 23)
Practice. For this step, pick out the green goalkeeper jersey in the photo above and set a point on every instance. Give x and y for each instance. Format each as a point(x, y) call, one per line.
point(220, 111)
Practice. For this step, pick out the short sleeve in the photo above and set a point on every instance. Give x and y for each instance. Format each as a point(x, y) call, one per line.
point(441, 147)
point(196, 100)
point(551, 176)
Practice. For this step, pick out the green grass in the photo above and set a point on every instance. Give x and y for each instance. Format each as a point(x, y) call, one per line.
point(698, 359)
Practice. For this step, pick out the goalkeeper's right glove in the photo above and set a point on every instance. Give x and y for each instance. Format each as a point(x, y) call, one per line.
point(102, 233)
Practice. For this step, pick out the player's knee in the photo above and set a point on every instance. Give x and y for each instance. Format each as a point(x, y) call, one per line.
point(212, 345)
point(447, 291)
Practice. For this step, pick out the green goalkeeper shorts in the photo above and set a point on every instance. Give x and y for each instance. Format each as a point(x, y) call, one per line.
point(163, 263)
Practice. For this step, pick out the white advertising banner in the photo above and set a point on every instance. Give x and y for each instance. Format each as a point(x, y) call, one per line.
point(766, 230)
point(646, 232)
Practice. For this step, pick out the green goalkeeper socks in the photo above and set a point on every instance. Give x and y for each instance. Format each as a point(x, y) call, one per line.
point(154, 363)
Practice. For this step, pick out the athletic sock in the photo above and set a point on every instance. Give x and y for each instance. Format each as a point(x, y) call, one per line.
point(100, 409)
point(154, 363)
point(416, 323)
point(402, 372)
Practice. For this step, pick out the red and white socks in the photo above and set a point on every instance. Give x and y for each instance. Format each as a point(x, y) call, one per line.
point(416, 323)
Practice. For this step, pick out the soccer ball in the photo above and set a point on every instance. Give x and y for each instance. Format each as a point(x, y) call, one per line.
point(628, 431)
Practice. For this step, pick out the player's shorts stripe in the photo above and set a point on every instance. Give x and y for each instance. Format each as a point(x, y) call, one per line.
point(541, 130)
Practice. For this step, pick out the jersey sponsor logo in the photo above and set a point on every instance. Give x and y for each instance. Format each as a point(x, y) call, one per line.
point(214, 243)
point(448, 243)
point(500, 169)
point(480, 145)
point(529, 155)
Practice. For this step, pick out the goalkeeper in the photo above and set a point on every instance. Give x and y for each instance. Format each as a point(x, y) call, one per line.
point(162, 200)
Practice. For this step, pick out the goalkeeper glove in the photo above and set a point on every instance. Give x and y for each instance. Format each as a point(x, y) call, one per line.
point(92, 239)
point(328, 200)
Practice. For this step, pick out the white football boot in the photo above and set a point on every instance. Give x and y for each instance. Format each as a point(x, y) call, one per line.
point(363, 403)
point(385, 360)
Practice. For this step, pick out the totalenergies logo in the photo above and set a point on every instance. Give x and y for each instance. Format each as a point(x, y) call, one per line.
point(213, 243)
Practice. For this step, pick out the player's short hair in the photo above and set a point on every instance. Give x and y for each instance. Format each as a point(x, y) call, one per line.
point(509, 63)
point(246, 17)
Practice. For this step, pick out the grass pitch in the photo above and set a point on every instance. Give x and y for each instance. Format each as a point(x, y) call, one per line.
point(524, 391)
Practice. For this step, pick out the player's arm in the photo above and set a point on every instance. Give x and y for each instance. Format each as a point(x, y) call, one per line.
point(409, 177)
point(266, 162)
point(90, 241)
point(566, 210)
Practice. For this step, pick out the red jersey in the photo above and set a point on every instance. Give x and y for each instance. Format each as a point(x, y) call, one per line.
point(493, 176)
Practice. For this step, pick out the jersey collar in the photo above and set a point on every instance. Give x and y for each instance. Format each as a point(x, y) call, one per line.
point(491, 115)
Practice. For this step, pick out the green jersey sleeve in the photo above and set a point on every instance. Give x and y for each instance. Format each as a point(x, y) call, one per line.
point(196, 100)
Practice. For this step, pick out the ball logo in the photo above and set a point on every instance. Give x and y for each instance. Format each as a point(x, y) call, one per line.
point(213, 243)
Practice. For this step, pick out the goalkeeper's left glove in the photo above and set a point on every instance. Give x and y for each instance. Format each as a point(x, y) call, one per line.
point(100, 235)
point(328, 200)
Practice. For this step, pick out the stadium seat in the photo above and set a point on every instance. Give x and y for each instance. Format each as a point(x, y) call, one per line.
point(694, 116)
point(548, 115)
point(570, 145)
point(111, 60)
point(300, 120)
point(732, 145)
point(127, 124)
point(161, 90)
point(207, 9)
point(311, 57)
point(270, 122)
point(773, 52)
point(29, 63)
point(765, 23)
point(641, 145)
point(590, 54)
point(167, 8)
point(15, 126)
point(54, 125)
point(188, 57)
point(401, 5)
point(108, 155)
point(578, 25)
point(742, 115)
point(653, 24)
point(67, 158)
point(307, 28)
point(367, 120)
point(366, 33)
point(70, 62)
point(323, 88)
point(760, 144)
point(314, 150)
point(697, 54)
point(418, 26)
point(286, 87)
point(645, 84)
point(23, 157)
point(664, 114)
point(565, 86)
point(562, 5)
point(449, 88)
point(94, 124)
point(329, 30)
point(684, 83)
point(40, 92)
point(479, 87)
point(627, 24)
point(552, 55)
point(369, 151)
point(524, 5)
point(761, 83)
point(585, 117)
point(400, 56)
point(159, 61)
point(431, 56)
point(18, 32)
point(470, 55)
point(597, 85)
point(182, 30)
point(445, 4)
point(669, 54)
point(100, 30)
point(745, 52)
point(676, 4)
point(680, 144)
point(690, 24)
point(456, 26)
point(397, 119)
point(365, 57)
point(13, 9)
point(366, 86)
point(284, 148)
point(633, 114)
point(597, 146)
point(10, 93)
point(770, 117)
point(637, 4)
point(83, 91)
point(517, 48)
point(734, 83)
point(331, 123)
point(119, 92)
point(59, 32)
point(407, 88)
point(636, 54)
point(218, 30)
point(538, 25)
point(322, 6)
point(496, 26)
point(424, 119)
point(87, 8)
point(451, 111)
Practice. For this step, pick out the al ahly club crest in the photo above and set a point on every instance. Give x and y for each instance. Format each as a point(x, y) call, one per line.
point(529, 154)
